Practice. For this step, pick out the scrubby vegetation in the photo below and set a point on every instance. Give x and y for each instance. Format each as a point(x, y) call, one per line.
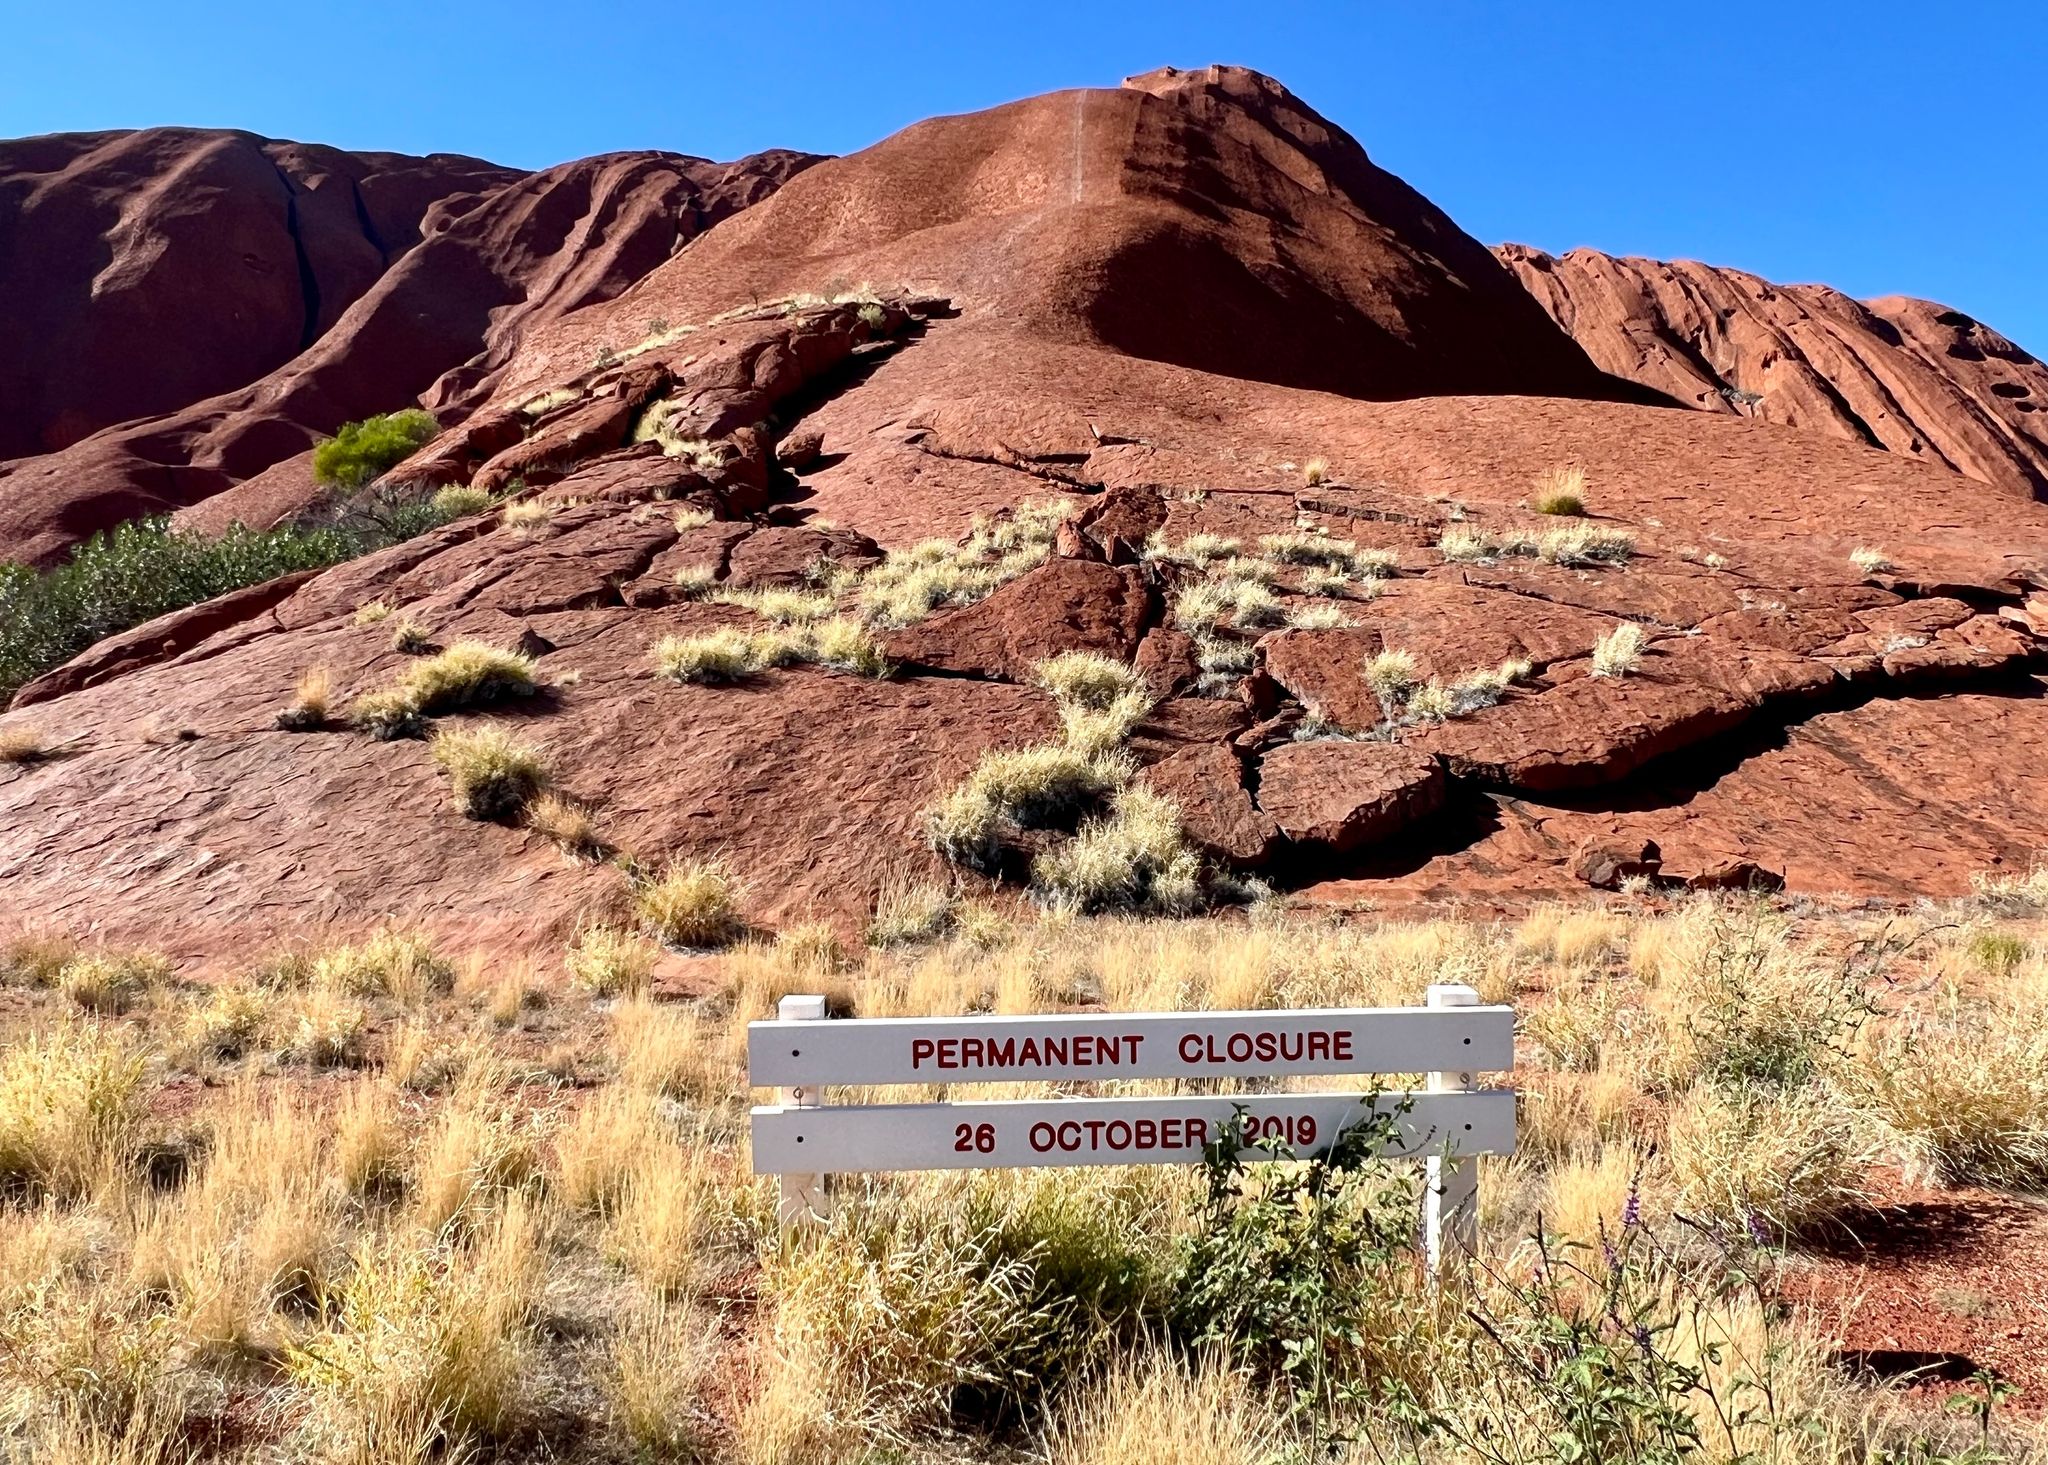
point(144, 569)
point(381, 1203)
point(1560, 491)
point(362, 452)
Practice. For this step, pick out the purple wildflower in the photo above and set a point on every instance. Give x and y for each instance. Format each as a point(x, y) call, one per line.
point(1632, 1208)
point(1758, 1231)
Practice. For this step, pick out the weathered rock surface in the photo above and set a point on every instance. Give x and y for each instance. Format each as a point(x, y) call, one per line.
point(1344, 795)
point(1207, 782)
point(1906, 375)
point(1063, 605)
point(426, 308)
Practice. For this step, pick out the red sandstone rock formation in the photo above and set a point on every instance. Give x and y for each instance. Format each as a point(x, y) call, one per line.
point(221, 368)
point(1906, 375)
point(1050, 285)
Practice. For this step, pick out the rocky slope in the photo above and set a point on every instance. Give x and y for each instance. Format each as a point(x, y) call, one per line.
point(1052, 291)
point(163, 369)
point(1909, 376)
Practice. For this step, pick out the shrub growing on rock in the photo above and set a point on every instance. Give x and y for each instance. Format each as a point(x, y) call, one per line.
point(362, 452)
point(724, 655)
point(1560, 491)
point(22, 745)
point(493, 771)
point(312, 699)
point(458, 501)
point(1585, 544)
point(468, 674)
point(139, 571)
point(568, 823)
point(1086, 678)
point(1134, 858)
point(690, 903)
point(1620, 651)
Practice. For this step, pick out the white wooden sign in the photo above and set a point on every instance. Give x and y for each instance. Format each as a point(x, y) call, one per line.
point(801, 1139)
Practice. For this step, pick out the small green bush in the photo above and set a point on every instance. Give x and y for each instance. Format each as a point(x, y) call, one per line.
point(362, 452)
point(138, 571)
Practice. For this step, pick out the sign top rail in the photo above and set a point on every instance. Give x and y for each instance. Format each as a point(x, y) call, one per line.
point(1109, 1045)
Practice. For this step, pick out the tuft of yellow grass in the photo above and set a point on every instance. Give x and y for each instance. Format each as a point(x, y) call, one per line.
point(666, 1050)
point(1560, 490)
point(608, 961)
point(1786, 1161)
point(1165, 1409)
point(468, 674)
point(469, 1164)
point(459, 501)
point(110, 982)
point(526, 515)
point(425, 1346)
point(1620, 651)
point(1870, 561)
point(596, 1150)
point(661, 1358)
point(567, 821)
point(493, 773)
point(73, 1105)
point(690, 903)
point(1087, 679)
point(909, 911)
point(1315, 472)
point(409, 637)
point(21, 745)
point(394, 961)
point(1961, 1097)
point(326, 1029)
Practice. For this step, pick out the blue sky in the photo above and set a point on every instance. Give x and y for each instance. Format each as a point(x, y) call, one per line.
point(1882, 147)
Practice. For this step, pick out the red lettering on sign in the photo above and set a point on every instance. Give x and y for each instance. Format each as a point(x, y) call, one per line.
point(1340, 1047)
point(920, 1049)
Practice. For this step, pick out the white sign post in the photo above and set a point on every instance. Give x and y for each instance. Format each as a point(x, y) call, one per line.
point(1452, 1040)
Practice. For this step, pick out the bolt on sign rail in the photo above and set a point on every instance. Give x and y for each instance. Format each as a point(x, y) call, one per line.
point(1453, 1038)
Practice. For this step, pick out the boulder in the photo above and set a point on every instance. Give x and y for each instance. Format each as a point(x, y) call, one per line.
point(1346, 795)
point(1207, 782)
point(1063, 605)
point(1604, 864)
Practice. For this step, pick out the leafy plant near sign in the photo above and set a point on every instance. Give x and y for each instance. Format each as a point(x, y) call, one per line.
point(1291, 1267)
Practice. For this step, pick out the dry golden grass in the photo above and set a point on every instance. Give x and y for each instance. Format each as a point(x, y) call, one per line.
point(500, 1223)
point(1620, 651)
point(661, 1359)
point(493, 773)
point(22, 745)
point(393, 961)
point(72, 1106)
point(1167, 1410)
point(690, 903)
point(110, 982)
point(313, 696)
point(607, 961)
point(1560, 491)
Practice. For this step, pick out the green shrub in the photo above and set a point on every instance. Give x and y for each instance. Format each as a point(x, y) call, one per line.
point(138, 571)
point(1292, 1266)
point(362, 452)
